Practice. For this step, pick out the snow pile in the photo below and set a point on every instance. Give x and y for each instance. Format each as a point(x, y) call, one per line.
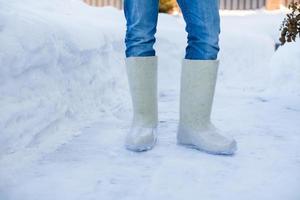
point(285, 70)
point(61, 68)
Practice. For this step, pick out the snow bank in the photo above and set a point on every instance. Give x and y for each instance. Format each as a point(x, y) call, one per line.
point(285, 70)
point(61, 69)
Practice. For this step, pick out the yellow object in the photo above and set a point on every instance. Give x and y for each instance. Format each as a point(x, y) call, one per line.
point(273, 4)
point(167, 6)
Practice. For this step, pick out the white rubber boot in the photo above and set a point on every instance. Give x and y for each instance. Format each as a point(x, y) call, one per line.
point(198, 80)
point(142, 78)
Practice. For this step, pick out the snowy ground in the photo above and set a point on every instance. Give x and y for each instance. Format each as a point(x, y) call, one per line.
point(65, 109)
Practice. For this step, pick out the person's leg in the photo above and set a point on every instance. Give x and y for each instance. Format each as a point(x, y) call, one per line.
point(198, 79)
point(203, 27)
point(141, 17)
point(141, 65)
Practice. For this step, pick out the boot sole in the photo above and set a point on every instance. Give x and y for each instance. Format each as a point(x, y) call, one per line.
point(141, 149)
point(192, 146)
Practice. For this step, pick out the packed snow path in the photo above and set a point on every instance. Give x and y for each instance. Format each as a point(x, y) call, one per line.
point(95, 164)
point(65, 109)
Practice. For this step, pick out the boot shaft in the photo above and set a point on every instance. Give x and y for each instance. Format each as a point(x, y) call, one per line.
point(142, 78)
point(198, 81)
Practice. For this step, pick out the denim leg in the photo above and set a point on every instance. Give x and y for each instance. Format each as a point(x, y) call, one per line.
point(203, 27)
point(141, 17)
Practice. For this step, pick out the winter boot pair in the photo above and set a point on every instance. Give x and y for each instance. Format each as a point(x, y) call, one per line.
point(198, 80)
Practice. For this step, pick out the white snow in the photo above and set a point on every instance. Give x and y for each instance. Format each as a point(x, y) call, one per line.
point(65, 109)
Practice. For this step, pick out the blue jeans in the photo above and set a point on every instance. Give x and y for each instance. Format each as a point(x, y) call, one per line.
point(202, 25)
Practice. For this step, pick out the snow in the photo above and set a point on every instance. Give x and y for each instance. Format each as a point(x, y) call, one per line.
point(65, 109)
